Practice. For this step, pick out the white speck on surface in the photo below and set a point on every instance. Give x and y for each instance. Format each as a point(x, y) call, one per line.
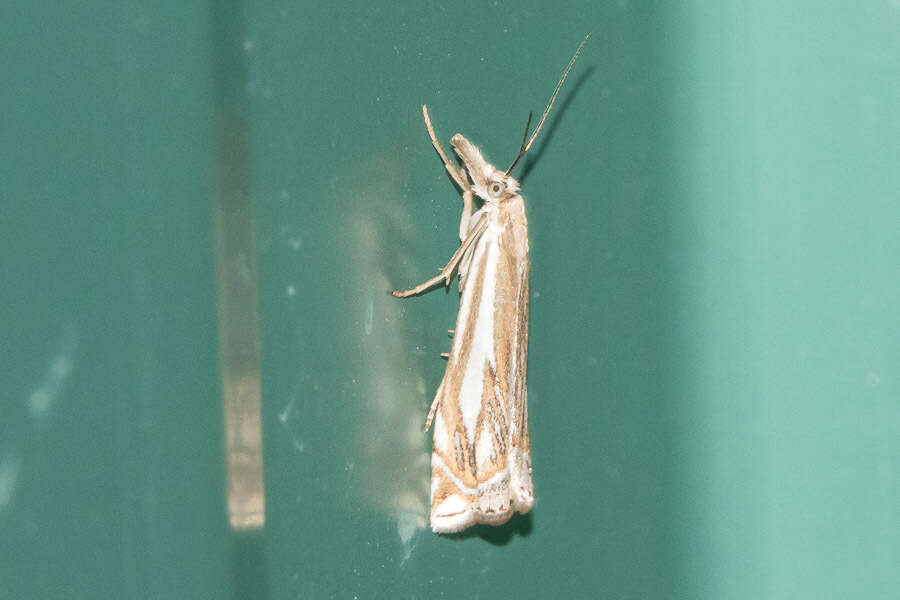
point(299, 446)
point(42, 398)
point(286, 413)
point(248, 45)
point(370, 316)
point(295, 242)
point(872, 379)
point(39, 401)
point(291, 290)
point(60, 367)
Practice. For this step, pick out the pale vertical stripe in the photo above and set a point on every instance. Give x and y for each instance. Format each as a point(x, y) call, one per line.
point(467, 301)
point(482, 348)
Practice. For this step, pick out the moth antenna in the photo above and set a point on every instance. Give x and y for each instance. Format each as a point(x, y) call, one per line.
point(522, 147)
point(559, 85)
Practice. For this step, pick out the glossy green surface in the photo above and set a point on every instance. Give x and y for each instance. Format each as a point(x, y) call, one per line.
point(715, 238)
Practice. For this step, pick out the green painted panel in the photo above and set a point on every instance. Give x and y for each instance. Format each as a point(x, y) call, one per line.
point(110, 443)
point(714, 210)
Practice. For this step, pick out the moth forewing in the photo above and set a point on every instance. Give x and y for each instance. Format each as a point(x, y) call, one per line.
point(481, 459)
point(481, 464)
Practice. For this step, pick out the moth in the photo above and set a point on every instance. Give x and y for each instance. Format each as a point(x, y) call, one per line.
point(481, 458)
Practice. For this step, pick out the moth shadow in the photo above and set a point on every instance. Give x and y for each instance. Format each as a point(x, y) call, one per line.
point(519, 525)
point(531, 159)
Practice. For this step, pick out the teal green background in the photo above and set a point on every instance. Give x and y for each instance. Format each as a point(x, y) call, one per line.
point(715, 237)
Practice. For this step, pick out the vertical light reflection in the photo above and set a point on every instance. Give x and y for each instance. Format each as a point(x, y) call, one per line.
point(236, 277)
point(391, 412)
point(239, 334)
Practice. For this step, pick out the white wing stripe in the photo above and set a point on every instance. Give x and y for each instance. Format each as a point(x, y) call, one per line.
point(482, 341)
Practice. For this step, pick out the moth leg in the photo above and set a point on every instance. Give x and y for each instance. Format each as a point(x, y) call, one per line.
point(431, 412)
point(446, 274)
point(440, 277)
point(466, 214)
point(463, 268)
point(457, 173)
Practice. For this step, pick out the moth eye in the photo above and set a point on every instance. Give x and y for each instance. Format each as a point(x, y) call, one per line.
point(495, 189)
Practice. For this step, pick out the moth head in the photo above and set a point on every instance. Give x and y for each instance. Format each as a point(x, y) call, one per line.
point(488, 182)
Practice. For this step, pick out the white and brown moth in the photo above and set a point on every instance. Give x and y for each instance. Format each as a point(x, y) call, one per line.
point(481, 461)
